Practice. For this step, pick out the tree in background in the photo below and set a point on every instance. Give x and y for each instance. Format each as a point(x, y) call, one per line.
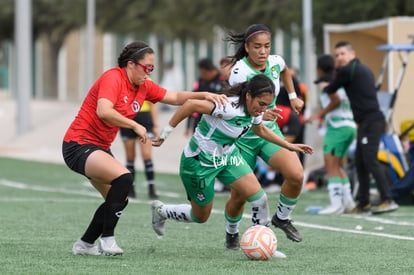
point(53, 20)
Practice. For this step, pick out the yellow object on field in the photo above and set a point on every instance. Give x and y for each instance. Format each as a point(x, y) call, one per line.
point(404, 125)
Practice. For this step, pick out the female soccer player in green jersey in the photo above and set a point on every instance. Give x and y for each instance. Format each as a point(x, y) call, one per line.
point(211, 153)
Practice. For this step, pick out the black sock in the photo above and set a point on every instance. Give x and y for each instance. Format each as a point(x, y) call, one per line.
point(149, 170)
point(94, 229)
point(115, 201)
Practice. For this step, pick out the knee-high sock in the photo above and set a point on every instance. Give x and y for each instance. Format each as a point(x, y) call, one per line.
point(95, 227)
point(149, 171)
point(114, 203)
point(232, 224)
point(285, 207)
point(177, 212)
point(260, 208)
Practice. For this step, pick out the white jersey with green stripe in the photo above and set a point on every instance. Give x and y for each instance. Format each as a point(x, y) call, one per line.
point(341, 116)
point(216, 133)
point(243, 71)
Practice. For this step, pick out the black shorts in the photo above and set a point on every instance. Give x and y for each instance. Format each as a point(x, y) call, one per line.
point(293, 126)
point(143, 118)
point(75, 155)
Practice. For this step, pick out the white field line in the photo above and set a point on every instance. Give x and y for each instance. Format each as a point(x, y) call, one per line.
point(20, 185)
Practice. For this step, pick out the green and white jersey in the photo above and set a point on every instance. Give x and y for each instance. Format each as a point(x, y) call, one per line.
point(341, 116)
point(243, 71)
point(216, 134)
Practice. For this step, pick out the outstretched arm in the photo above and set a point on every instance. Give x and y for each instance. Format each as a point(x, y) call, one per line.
point(267, 134)
point(189, 107)
point(179, 98)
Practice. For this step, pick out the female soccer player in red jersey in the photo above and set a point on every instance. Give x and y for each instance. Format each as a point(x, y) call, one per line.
point(112, 102)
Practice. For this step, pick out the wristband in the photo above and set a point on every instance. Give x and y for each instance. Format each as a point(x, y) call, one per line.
point(166, 132)
point(292, 95)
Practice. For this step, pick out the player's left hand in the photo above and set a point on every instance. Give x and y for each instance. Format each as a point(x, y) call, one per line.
point(297, 105)
point(220, 99)
point(272, 114)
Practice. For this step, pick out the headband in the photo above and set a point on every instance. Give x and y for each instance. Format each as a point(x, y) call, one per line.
point(136, 53)
point(254, 33)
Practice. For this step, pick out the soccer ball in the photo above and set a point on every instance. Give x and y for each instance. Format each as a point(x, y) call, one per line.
point(258, 242)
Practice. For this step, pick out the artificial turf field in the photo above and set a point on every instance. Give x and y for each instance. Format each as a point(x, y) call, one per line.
point(45, 207)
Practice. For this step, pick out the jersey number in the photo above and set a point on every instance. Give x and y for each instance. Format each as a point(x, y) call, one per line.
point(198, 183)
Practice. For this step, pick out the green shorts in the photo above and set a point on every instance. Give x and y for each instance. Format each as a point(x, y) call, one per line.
point(198, 175)
point(338, 140)
point(251, 148)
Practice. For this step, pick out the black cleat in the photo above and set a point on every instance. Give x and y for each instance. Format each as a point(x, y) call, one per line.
point(287, 226)
point(232, 241)
point(151, 192)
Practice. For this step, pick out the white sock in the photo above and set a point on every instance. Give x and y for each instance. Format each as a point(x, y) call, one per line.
point(232, 227)
point(285, 207)
point(176, 212)
point(260, 208)
point(347, 198)
point(335, 194)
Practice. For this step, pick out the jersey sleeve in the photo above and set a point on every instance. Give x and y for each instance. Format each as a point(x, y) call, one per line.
point(237, 75)
point(220, 112)
point(277, 59)
point(109, 86)
point(155, 93)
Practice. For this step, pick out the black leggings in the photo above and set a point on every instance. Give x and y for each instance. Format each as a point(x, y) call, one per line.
point(366, 160)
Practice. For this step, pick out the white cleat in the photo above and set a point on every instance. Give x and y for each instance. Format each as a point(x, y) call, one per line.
point(279, 255)
point(108, 247)
point(158, 222)
point(83, 248)
point(331, 210)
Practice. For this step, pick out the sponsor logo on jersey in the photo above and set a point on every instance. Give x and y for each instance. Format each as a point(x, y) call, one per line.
point(275, 73)
point(135, 106)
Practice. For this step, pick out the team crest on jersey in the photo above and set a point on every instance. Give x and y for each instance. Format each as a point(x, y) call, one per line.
point(125, 99)
point(135, 106)
point(200, 196)
point(275, 73)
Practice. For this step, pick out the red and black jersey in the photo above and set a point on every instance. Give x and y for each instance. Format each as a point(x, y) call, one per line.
point(115, 86)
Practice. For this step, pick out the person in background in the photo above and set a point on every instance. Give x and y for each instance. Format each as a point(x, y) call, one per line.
point(112, 103)
point(225, 68)
point(253, 58)
point(147, 117)
point(359, 84)
point(209, 80)
point(339, 135)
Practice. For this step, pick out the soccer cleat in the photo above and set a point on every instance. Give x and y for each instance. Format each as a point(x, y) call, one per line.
point(384, 207)
point(349, 205)
point(83, 248)
point(158, 222)
point(232, 241)
point(360, 209)
point(287, 226)
point(151, 192)
point(331, 210)
point(108, 247)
